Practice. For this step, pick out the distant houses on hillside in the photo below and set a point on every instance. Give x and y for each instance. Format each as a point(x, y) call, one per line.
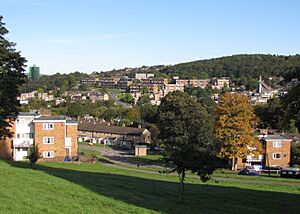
point(156, 88)
point(263, 93)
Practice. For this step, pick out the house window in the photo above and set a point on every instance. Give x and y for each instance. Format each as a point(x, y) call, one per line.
point(277, 144)
point(48, 140)
point(48, 154)
point(48, 126)
point(277, 156)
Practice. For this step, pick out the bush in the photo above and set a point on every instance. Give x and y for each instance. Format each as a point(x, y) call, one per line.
point(34, 154)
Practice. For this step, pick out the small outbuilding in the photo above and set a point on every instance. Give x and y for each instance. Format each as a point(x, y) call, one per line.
point(140, 150)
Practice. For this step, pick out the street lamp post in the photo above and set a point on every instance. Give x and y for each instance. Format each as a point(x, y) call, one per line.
point(138, 162)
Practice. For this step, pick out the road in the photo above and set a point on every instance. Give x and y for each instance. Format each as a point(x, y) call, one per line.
point(121, 157)
point(122, 160)
point(113, 96)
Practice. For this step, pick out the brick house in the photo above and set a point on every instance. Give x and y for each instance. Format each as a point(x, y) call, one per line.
point(277, 151)
point(55, 136)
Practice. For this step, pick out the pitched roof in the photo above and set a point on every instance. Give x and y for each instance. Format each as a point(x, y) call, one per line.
point(28, 114)
point(276, 137)
point(92, 126)
point(52, 118)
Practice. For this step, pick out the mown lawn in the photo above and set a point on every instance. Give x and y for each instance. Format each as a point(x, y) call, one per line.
point(94, 144)
point(98, 188)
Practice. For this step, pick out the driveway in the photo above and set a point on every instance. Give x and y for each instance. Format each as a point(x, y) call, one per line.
point(122, 157)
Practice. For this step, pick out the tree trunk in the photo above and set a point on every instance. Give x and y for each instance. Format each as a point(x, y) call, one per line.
point(233, 164)
point(181, 187)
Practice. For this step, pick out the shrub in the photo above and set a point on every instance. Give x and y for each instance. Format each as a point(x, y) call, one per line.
point(34, 154)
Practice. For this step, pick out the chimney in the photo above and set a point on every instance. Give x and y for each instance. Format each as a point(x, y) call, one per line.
point(123, 125)
point(139, 126)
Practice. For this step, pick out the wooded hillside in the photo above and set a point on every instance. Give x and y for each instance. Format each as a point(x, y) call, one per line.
point(236, 66)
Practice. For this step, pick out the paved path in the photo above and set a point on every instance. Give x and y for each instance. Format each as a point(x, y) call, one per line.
point(113, 96)
point(121, 160)
point(122, 157)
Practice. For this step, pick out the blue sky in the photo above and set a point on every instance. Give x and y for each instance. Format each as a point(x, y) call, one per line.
point(98, 35)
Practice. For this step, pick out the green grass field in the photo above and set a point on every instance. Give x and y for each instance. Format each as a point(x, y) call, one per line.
point(98, 188)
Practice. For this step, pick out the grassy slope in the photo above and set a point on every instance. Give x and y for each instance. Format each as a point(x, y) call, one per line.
point(96, 188)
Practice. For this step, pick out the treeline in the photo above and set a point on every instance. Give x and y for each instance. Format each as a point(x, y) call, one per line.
point(51, 82)
point(236, 66)
point(282, 113)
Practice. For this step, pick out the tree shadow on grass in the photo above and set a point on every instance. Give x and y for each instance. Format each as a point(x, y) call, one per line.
point(162, 196)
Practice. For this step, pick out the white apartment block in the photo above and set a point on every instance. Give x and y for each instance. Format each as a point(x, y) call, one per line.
point(23, 135)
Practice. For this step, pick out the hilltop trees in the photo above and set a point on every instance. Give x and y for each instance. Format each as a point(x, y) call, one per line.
point(52, 82)
point(246, 67)
point(11, 77)
point(186, 132)
point(235, 120)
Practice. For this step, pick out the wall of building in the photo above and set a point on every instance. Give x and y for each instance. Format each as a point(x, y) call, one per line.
point(6, 145)
point(72, 133)
point(58, 147)
point(140, 151)
point(6, 151)
point(284, 150)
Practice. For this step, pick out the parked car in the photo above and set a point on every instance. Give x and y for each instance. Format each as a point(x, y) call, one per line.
point(249, 171)
point(290, 173)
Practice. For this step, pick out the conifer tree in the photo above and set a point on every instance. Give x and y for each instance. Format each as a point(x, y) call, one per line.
point(11, 77)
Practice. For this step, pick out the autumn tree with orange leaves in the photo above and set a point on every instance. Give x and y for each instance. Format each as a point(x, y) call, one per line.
point(235, 121)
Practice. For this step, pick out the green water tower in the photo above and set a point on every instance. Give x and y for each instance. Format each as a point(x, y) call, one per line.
point(34, 73)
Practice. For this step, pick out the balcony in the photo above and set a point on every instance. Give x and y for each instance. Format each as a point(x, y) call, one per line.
point(22, 142)
point(68, 142)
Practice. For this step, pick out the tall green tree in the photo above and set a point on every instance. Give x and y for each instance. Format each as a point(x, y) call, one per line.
point(11, 77)
point(270, 114)
point(148, 112)
point(133, 114)
point(186, 132)
point(75, 109)
point(291, 106)
point(203, 96)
